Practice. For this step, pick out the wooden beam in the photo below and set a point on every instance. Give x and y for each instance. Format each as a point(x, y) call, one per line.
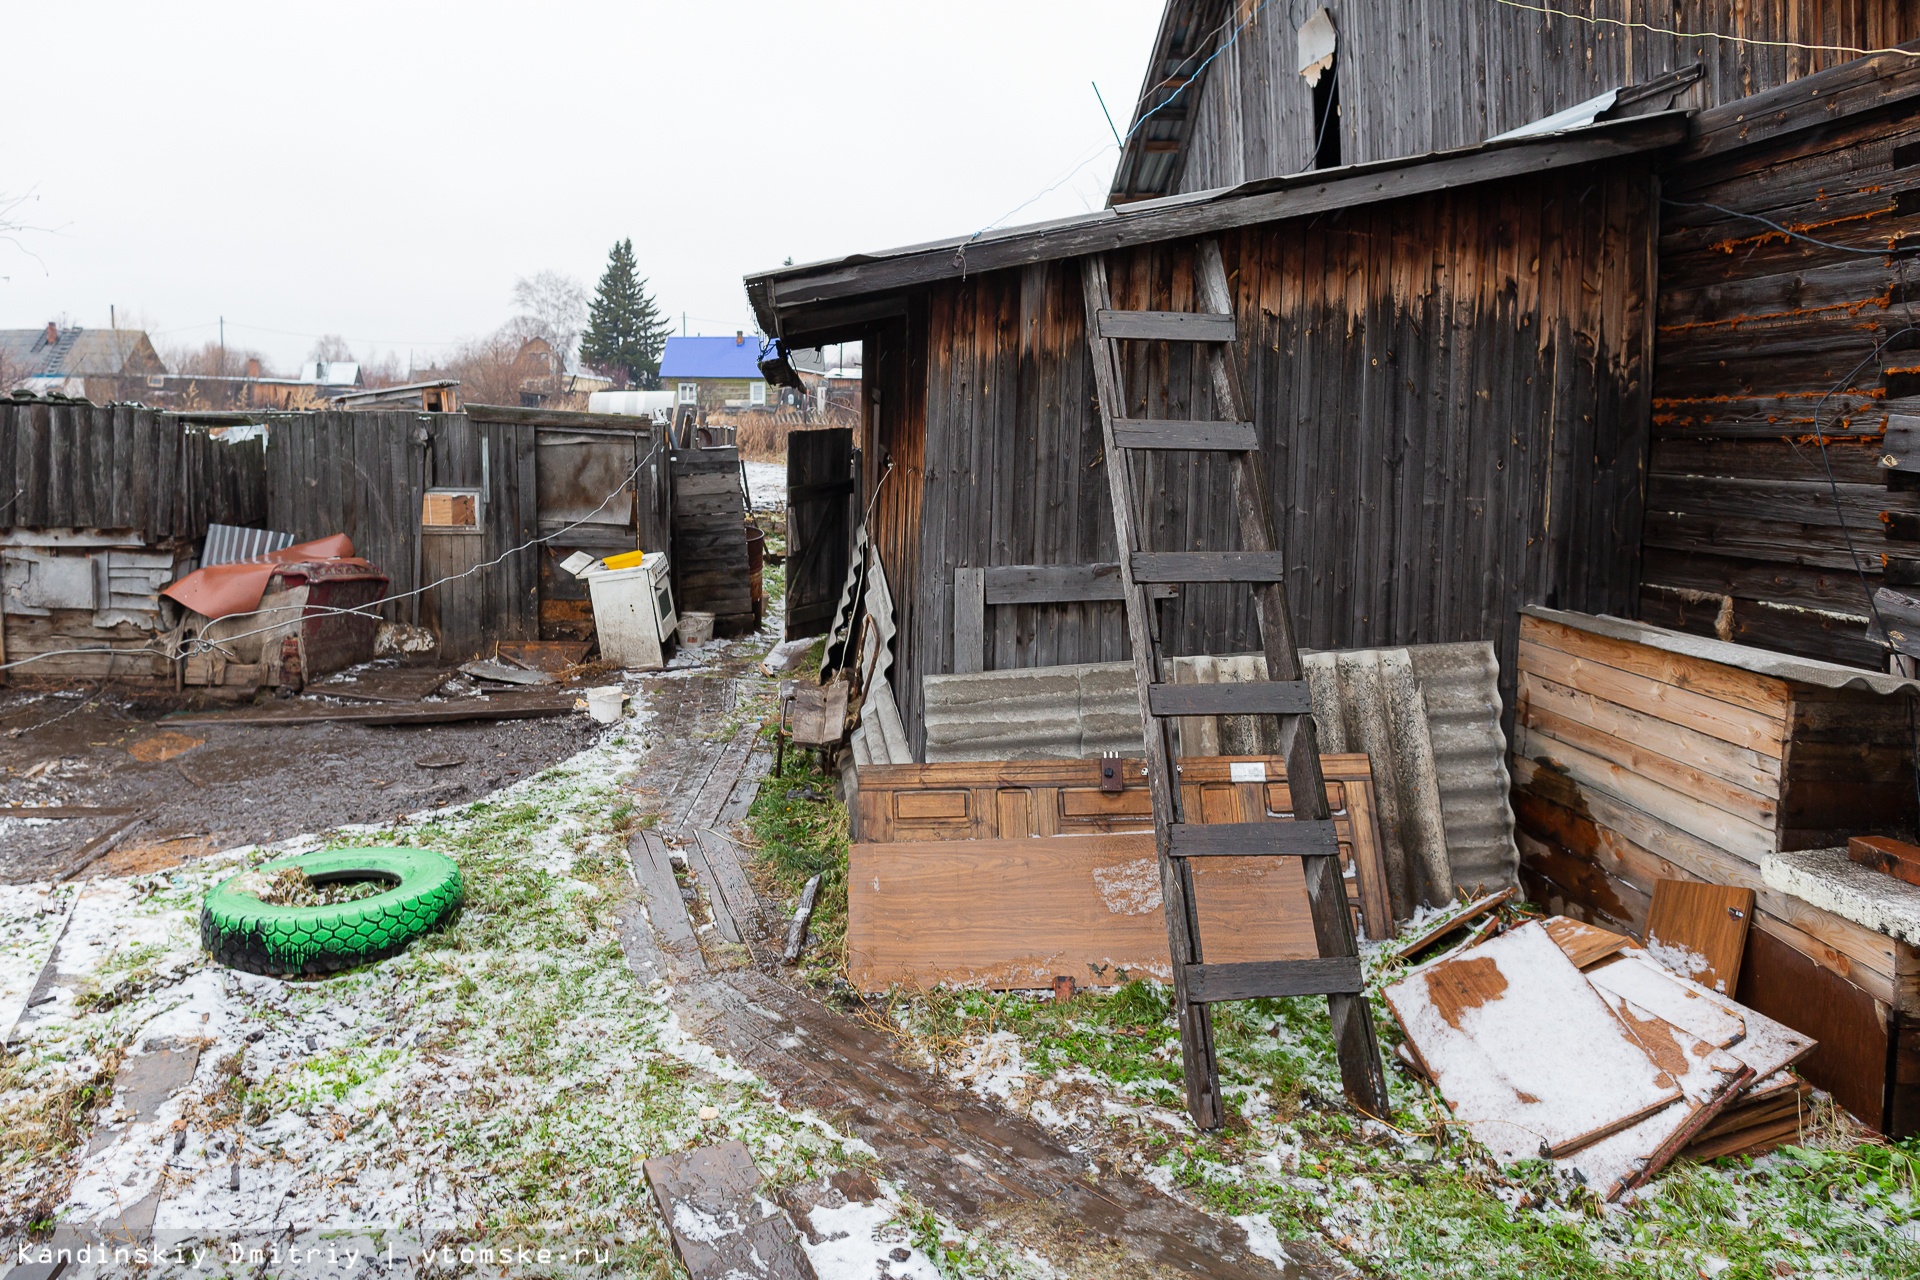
point(1265, 979)
point(1209, 566)
point(1163, 433)
point(1250, 698)
point(1166, 326)
point(969, 621)
point(1314, 839)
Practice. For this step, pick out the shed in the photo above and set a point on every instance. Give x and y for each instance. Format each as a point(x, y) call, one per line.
point(1449, 358)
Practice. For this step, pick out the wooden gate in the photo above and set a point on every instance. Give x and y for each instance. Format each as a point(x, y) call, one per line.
point(819, 526)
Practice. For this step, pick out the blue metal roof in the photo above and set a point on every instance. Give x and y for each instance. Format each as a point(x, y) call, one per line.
point(711, 358)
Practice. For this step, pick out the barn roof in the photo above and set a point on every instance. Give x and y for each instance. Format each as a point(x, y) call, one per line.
point(827, 301)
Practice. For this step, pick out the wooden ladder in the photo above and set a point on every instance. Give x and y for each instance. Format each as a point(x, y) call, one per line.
point(1310, 836)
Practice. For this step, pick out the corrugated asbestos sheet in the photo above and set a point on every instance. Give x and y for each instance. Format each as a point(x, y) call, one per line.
point(1460, 684)
point(1427, 717)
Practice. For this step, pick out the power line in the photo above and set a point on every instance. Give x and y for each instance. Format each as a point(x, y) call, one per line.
point(1769, 222)
point(1701, 35)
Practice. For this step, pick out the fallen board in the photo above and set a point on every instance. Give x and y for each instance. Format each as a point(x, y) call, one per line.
point(1014, 914)
point(1584, 944)
point(499, 707)
point(550, 656)
point(1757, 1040)
point(1700, 929)
point(1524, 1051)
point(721, 1226)
point(1474, 910)
point(382, 684)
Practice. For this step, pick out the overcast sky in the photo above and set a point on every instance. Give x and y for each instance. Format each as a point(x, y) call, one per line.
point(385, 172)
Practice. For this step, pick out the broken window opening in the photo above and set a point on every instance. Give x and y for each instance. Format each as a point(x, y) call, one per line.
point(1326, 116)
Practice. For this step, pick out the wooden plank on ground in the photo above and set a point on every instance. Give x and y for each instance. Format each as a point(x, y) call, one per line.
point(1700, 930)
point(1757, 1040)
point(666, 910)
point(1013, 914)
point(728, 866)
point(721, 1225)
point(1427, 937)
point(716, 900)
point(1524, 1051)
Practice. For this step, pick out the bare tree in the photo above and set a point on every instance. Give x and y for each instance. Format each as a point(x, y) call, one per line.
point(12, 226)
point(213, 360)
point(552, 306)
point(330, 347)
point(489, 368)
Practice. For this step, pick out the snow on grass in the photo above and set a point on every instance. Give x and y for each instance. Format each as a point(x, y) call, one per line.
point(1413, 1197)
point(503, 1079)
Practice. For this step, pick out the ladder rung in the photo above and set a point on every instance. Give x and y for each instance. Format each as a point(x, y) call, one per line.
point(1209, 566)
point(1297, 839)
point(1174, 433)
point(1253, 698)
point(1167, 326)
point(1258, 979)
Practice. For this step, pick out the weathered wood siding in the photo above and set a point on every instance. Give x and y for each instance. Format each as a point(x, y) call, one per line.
point(122, 467)
point(1450, 73)
point(364, 475)
point(1452, 394)
point(1768, 345)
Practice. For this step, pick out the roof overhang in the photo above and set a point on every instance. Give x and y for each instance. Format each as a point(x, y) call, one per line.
point(831, 301)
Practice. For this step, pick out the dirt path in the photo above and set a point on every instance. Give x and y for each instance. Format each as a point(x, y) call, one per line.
point(164, 794)
point(963, 1157)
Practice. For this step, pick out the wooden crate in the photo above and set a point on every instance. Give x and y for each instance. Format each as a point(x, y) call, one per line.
point(1004, 874)
point(1635, 762)
point(443, 509)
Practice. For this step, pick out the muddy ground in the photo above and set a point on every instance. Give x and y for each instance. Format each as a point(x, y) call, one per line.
point(177, 792)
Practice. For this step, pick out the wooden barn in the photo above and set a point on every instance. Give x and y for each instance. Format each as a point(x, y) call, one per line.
point(1536, 313)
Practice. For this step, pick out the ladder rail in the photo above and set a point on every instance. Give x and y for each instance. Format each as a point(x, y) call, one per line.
point(1201, 1069)
point(1359, 1049)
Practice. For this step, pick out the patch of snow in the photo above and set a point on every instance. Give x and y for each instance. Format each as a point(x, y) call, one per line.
point(766, 485)
point(1130, 889)
point(857, 1242)
point(1264, 1240)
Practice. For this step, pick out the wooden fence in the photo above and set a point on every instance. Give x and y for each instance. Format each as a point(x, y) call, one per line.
point(72, 465)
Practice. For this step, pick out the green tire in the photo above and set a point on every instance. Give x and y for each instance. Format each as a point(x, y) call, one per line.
point(243, 932)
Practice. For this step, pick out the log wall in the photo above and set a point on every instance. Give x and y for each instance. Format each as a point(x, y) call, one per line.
point(1770, 347)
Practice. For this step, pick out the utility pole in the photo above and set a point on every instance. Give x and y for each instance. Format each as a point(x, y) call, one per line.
point(223, 345)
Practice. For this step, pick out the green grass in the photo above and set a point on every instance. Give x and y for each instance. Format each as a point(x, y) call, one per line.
point(800, 831)
point(1422, 1200)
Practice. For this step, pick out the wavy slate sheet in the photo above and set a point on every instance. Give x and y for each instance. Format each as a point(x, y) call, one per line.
point(1524, 1051)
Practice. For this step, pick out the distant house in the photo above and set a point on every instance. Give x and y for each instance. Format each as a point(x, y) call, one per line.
point(714, 373)
point(100, 364)
point(545, 382)
point(332, 377)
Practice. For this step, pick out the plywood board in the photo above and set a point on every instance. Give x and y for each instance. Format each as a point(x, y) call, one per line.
point(1584, 944)
point(1013, 914)
point(1761, 1042)
point(1524, 1051)
point(1700, 930)
point(1013, 799)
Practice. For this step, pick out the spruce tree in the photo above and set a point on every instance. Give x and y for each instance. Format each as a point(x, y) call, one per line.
point(625, 331)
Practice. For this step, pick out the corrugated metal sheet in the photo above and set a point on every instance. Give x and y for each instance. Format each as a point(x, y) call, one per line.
point(228, 543)
point(1427, 716)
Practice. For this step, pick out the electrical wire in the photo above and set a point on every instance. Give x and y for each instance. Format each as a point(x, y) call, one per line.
point(1783, 230)
point(1701, 35)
